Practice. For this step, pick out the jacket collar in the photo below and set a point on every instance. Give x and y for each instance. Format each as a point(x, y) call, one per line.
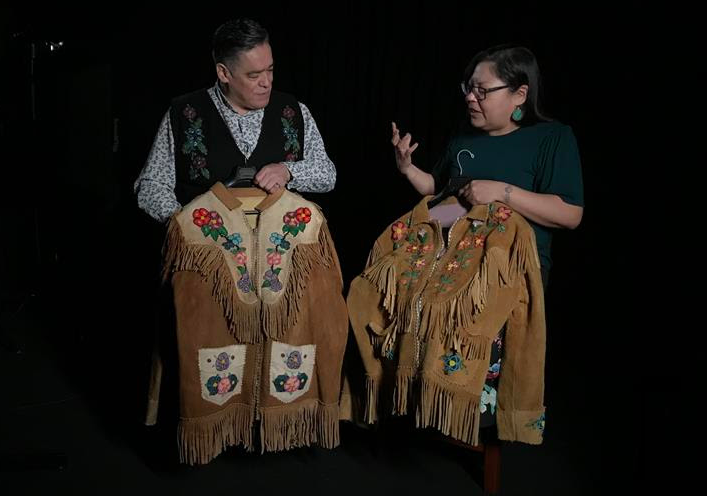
point(229, 197)
point(422, 214)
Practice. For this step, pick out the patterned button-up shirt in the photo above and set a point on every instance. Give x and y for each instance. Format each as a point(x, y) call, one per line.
point(155, 185)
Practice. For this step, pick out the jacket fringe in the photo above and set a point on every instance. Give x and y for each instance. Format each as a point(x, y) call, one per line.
point(201, 439)
point(453, 413)
point(371, 411)
point(210, 263)
point(374, 254)
point(284, 428)
point(384, 277)
point(278, 318)
point(247, 322)
point(403, 392)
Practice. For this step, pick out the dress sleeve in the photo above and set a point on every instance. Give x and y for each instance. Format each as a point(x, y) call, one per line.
point(559, 169)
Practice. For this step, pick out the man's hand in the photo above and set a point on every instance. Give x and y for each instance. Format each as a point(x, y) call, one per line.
point(272, 177)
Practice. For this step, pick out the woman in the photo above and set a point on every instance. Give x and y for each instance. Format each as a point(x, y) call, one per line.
point(514, 154)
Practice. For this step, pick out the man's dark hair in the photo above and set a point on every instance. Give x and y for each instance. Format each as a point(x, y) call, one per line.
point(236, 36)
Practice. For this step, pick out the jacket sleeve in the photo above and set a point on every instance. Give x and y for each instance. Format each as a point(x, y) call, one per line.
point(521, 413)
point(368, 321)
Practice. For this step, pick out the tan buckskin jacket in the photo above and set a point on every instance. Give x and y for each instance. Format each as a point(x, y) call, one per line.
point(426, 310)
point(261, 324)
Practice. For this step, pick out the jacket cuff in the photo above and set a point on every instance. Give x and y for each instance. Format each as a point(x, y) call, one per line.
point(526, 426)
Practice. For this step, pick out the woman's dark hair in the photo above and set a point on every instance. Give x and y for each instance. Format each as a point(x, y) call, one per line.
point(515, 66)
point(236, 36)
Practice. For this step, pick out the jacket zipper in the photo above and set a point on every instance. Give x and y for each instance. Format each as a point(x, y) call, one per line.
point(259, 347)
point(418, 305)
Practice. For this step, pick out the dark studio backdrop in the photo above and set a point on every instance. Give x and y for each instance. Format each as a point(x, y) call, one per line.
point(78, 122)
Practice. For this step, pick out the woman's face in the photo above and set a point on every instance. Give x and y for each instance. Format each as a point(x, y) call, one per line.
point(491, 111)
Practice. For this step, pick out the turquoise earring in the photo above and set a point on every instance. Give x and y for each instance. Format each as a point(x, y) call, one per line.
point(517, 114)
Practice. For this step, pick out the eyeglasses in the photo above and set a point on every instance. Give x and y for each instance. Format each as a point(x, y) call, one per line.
point(479, 92)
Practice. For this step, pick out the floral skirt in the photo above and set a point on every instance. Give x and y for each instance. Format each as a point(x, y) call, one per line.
point(488, 395)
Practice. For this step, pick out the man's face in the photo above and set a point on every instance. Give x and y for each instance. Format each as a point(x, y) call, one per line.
point(248, 78)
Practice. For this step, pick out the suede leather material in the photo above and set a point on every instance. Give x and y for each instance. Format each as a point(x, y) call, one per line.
point(286, 380)
point(425, 312)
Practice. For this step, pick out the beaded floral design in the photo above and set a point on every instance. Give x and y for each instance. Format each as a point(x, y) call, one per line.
point(211, 224)
point(295, 222)
point(292, 145)
point(193, 146)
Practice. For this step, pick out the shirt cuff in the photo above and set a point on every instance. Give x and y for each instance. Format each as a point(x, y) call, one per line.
point(293, 183)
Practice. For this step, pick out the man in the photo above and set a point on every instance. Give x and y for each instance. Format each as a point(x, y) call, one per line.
point(239, 122)
point(206, 137)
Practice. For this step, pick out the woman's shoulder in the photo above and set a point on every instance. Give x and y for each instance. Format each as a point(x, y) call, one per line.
point(551, 133)
point(550, 128)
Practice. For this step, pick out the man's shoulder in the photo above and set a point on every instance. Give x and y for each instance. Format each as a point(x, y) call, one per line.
point(285, 106)
point(280, 98)
point(191, 97)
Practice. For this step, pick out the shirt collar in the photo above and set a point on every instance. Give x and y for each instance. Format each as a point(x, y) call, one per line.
point(224, 101)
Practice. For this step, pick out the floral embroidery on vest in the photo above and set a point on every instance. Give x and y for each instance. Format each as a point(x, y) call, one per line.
point(295, 223)
point(452, 362)
point(292, 145)
point(194, 146)
point(418, 247)
point(211, 224)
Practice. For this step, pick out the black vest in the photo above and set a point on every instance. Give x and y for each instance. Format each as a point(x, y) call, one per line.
point(205, 151)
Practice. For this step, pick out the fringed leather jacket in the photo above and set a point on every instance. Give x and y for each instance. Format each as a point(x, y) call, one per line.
point(253, 341)
point(426, 310)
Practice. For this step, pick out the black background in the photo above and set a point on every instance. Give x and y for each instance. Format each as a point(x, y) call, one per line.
point(77, 242)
